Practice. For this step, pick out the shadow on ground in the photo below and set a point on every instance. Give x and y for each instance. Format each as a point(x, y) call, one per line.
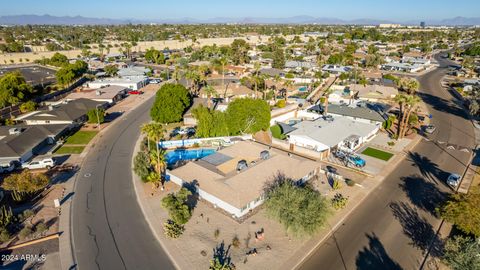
point(417, 228)
point(375, 257)
point(422, 193)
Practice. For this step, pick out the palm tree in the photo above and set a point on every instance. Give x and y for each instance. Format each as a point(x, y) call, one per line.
point(410, 103)
point(210, 91)
point(400, 99)
point(154, 178)
point(158, 161)
point(287, 84)
point(256, 67)
point(223, 61)
point(154, 132)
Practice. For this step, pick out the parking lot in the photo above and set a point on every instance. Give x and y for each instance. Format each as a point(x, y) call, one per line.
point(34, 75)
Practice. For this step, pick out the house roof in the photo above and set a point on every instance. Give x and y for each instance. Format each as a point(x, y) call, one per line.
point(371, 112)
point(16, 145)
point(69, 111)
point(240, 188)
point(106, 93)
point(332, 132)
point(272, 72)
point(374, 91)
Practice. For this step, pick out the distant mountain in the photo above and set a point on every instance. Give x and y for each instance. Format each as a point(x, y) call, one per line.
point(64, 20)
point(303, 19)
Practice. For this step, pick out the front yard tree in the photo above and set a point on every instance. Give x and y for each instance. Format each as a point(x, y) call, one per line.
point(177, 207)
point(247, 116)
point(464, 211)
point(462, 253)
point(301, 210)
point(111, 70)
point(24, 184)
point(170, 103)
point(141, 165)
point(96, 115)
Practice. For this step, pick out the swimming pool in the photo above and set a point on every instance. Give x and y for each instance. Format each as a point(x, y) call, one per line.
point(184, 154)
point(302, 89)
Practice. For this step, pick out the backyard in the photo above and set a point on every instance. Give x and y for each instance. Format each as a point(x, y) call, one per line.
point(372, 152)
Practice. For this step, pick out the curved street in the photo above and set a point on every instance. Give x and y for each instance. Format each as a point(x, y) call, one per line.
point(393, 227)
point(109, 229)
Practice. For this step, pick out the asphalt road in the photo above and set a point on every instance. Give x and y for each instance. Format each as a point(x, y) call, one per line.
point(393, 227)
point(109, 229)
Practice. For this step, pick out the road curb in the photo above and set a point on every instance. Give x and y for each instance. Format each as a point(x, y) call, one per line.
point(138, 192)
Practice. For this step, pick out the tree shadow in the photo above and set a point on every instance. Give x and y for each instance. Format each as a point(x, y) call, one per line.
point(443, 105)
point(417, 228)
point(192, 199)
point(427, 168)
point(222, 254)
point(375, 257)
point(423, 194)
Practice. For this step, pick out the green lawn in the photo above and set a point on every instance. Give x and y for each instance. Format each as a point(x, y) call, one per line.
point(81, 137)
point(70, 150)
point(377, 153)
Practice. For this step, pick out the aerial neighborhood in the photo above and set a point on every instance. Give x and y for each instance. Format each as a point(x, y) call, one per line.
point(239, 145)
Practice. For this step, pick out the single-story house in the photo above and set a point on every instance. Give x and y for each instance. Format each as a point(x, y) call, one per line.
point(133, 83)
point(300, 64)
point(233, 178)
point(403, 67)
point(133, 71)
point(110, 94)
point(20, 142)
point(324, 134)
point(361, 112)
point(272, 72)
point(335, 69)
point(373, 92)
point(68, 112)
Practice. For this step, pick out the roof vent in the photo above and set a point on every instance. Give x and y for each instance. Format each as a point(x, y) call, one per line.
point(14, 131)
point(265, 154)
point(242, 165)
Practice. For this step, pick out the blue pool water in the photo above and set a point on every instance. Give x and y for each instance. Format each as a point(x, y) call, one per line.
point(183, 154)
point(302, 89)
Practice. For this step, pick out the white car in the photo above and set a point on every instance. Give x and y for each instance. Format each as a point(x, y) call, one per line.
point(47, 163)
point(7, 167)
point(453, 180)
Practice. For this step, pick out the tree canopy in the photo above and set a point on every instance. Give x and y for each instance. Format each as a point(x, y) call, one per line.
point(154, 56)
point(464, 211)
point(13, 88)
point(462, 253)
point(177, 207)
point(170, 103)
point(301, 210)
point(69, 72)
point(247, 115)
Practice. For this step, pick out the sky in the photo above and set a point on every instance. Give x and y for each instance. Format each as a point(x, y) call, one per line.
point(399, 10)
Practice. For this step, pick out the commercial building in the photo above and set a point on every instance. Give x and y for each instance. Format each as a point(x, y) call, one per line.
point(133, 83)
point(109, 94)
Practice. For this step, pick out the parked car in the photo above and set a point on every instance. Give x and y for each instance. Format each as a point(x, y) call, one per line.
point(155, 81)
point(47, 163)
point(7, 167)
point(429, 129)
point(453, 180)
point(356, 160)
point(135, 92)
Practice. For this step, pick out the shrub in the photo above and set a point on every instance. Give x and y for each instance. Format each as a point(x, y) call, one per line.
point(336, 184)
point(216, 233)
point(281, 103)
point(4, 235)
point(41, 228)
point(339, 201)
point(350, 182)
point(277, 132)
point(236, 242)
point(392, 143)
point(96, 115)
point(141, 165)
point(25, 232)
point(301, 210)
point(176, 205)
point(172, 229)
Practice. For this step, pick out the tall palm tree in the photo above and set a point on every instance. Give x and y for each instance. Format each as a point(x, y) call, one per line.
point(256, 68)
point(210, 91)
point(400, 100)
point(158, 160)
point(223, 61)
point(154, 132)
point(410, 102)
